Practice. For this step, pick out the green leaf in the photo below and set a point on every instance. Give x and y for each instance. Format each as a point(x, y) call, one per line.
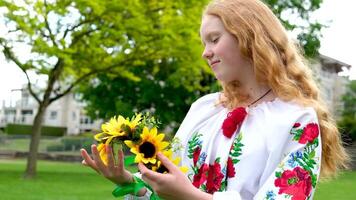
point(129, 160)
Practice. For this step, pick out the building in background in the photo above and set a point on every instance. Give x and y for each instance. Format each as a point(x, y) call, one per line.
point(67, 112)
point(332, 86)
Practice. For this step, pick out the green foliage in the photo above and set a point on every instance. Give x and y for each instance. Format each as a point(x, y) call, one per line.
point(72, 143)
point(168, 82)
point(193, 144)
point(347, 124)
point(308, 31)
point(21, 129)
point(236, 149)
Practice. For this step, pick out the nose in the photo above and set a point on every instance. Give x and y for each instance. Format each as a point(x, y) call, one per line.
point(207, 53)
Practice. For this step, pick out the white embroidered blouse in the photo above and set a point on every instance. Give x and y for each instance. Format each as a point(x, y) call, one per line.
point(274, 154)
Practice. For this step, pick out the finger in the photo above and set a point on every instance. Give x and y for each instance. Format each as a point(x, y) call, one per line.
point(167, 163)
point(149, 176)
point(84, 163)
point(87, 160)
point(111, 164)
point(99, 163)
point(120, 160)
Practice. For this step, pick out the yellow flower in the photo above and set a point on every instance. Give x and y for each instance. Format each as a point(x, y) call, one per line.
point(111, 129)
point(169, 154)
point(102, 152)
point(136, 121)
point(150, 144)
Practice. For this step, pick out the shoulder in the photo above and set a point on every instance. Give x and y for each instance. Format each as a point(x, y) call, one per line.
point(283, 111)
point(206, 103)
point(207, 100)
point(277, 118)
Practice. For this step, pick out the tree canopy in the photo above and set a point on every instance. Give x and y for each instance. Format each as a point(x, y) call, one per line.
point(169, 88)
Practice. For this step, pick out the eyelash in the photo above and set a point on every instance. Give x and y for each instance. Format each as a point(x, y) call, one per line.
point(215, 40)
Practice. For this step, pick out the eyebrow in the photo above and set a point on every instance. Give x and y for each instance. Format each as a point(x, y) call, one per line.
point(209, 35)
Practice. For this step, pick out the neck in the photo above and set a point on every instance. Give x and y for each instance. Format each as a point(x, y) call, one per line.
point(257, 93)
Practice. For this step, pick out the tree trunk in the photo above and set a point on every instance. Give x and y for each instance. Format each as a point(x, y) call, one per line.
point(35, 140)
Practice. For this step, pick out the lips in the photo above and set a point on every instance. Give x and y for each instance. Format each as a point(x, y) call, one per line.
point(214, 62)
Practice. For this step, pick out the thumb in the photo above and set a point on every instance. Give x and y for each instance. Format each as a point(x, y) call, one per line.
point(167, 163)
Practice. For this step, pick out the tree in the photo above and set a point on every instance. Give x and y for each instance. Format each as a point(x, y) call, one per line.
point(73, 40)
point(163, 90)
point(347, 122)
point(308, 30)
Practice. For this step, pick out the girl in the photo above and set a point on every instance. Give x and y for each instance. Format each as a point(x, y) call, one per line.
point(267, 135)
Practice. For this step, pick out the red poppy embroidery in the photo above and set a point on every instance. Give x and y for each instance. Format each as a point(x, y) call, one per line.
point(230, 168)
point(296, 183)
point(201, 176)
point(215, 178)
point(296, 125)
point(196, 154)
point(233, 120)
point(310, 132)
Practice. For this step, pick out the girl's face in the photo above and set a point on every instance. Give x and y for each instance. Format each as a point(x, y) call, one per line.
point(222, 51)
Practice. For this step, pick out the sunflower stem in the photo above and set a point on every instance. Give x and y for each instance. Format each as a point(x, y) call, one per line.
point(115, 149)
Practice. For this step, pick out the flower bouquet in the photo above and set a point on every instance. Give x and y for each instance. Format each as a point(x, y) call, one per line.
point(141, 136)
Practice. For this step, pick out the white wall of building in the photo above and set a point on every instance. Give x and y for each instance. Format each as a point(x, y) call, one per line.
point(67, 112)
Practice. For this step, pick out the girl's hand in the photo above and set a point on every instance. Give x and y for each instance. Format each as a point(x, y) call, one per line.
point(173, 185)
point(115, 173)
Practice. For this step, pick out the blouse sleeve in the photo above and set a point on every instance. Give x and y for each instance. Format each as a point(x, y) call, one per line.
point(296, 174)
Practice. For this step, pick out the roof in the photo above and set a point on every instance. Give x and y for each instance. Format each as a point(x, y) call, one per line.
point(332, 62)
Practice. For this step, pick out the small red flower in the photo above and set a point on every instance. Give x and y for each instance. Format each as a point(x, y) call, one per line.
point(215, 178)
point(296, 183)
point(230, 168)
point(233, 120)
point(310, 132)
point(201, 176)
point(196, 154)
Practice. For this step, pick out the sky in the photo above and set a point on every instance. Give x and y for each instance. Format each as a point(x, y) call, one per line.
point(338, 42)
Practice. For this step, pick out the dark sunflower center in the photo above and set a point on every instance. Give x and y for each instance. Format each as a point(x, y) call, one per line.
point(148, 149)
point(162, 169)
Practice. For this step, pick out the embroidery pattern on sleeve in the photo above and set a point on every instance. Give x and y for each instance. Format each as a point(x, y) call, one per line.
point(298, 178)
point(212, 177)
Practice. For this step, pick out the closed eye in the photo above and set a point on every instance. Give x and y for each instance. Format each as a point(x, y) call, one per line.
point(216, 40)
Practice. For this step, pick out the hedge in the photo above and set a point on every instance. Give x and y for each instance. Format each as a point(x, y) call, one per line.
point(21, 129)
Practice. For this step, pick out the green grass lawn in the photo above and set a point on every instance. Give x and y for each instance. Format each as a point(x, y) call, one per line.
point(70, 181)
point(56, 180)
point(342, 188)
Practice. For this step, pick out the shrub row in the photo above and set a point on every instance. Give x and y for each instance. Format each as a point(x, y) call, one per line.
point(21, 129)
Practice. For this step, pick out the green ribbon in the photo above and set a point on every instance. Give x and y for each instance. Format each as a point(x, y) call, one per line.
point(134, 187)
point(129, 160)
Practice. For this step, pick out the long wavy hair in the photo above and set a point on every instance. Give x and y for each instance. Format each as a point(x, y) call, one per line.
point(278, 63)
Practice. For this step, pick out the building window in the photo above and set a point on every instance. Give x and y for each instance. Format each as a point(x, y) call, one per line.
point(10, 112)
point(85, 120)
point(26, 112)
point(53, 115)
point(74, 115)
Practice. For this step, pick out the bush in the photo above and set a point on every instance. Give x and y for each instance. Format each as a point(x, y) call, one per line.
point(2, 138)
point(76, 143)
point(55, 147)
point(21, 129)
point(347, 126)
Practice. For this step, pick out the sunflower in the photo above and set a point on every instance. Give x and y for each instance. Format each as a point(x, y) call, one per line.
point(102, 152)
point(147, 148)
point(111, 130)
point(169, 154)
point(134, 122)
